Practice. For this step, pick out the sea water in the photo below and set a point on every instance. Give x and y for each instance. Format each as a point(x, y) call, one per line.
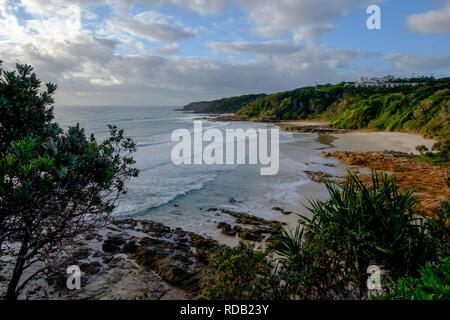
point(180, 196)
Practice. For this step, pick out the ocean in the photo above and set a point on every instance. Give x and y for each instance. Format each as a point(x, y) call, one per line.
point(179, 196)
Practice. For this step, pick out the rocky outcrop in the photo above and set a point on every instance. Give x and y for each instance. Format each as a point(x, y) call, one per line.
point(318, 176)
point(428, 180)
point(285, 212)
point(320, 129)
point(248, 227)
point(178, 257)
point(131, 259)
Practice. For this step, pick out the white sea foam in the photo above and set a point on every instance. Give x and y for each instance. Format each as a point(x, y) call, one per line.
point(179, 196)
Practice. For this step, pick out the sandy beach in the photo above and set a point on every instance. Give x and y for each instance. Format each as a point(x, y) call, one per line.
point(379, 141)
point(353, 141)
point(364, 140)
point(327, 139)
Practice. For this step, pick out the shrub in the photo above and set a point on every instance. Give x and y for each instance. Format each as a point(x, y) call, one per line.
point(422, 149)
point(359, 226)
point(309, 271)
point(241, 273)
point(327, 257)
point(433, 284)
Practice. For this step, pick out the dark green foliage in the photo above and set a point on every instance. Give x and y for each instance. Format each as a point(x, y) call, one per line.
point(309, 271)
point(55, 186)
point(23, 109)
point(356, 228)
point(438, 229)
point(365, 226)
point(241, 273)
point(295, 104)
point(226, 105)
point(422, 149)
point(433, 284)
point(424, 110)
point(440, 156)
point(434, 158)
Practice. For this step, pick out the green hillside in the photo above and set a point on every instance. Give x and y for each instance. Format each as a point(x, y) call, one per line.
point(226, 105)
point(295, 104)
point(424, 109)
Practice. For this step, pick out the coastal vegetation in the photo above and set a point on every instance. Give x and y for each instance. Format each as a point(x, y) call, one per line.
point(56, 186)
point(440, 154)
point(226, 105)
point(327, 257)
point(423, 109)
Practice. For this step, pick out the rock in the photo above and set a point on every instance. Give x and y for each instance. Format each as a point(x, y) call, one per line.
point(82, 253)
point(250, 235)
point(90, 268)
point(147, 257)
point(318, 176)
point(143, 270)
point(155, 229)
point(320, 129)
point(113, 244)
point(130, 247)
point(285, 212)
point(174, 272)
point(226, 229)
point(429, 180)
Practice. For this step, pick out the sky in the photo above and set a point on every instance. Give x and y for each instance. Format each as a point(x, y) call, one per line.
point(172, 52)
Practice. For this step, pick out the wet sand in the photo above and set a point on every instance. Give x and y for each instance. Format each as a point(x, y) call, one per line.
point(352, 141)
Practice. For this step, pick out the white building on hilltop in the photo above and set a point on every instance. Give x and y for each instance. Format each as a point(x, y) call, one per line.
point(384, 82)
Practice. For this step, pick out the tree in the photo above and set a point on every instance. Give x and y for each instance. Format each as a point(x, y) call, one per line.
point(422, 149)
point(56, 187)
point(23, 109)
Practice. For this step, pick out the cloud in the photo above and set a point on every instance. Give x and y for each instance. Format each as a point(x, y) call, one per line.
point(107, 64)
point(152, 26)
point(106, 83)
point(434, 21)
point(202, 6)
point(305, 19)
point(275, 47)
point(105, 57)
point(169, 49)
point(417, 63)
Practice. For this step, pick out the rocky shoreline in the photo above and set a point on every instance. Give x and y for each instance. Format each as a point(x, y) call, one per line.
point(290, 126)
point(131, 259)
point(141, 259)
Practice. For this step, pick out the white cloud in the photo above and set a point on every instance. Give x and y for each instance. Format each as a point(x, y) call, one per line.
point(169, 49)
point(106, 83)
point(434, 21)
point(417, 63)
point(275, 47)
point(202, 6)
point(304, 19)
point(152, 26)
point(107, 61)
